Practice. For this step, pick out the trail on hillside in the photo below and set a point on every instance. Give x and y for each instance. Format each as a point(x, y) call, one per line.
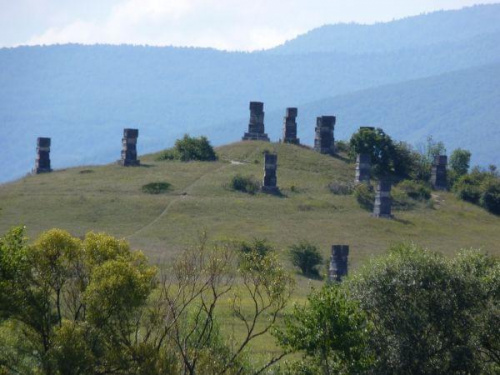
point(180, 197)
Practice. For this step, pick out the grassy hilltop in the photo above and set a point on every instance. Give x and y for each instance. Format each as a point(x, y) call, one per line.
point(109, 198)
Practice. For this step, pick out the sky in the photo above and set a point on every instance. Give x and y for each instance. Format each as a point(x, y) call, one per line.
point(244, 25)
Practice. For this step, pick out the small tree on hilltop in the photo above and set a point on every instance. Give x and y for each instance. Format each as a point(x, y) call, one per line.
point(378, 145)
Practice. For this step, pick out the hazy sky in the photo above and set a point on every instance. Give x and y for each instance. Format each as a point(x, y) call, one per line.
point(223, 24)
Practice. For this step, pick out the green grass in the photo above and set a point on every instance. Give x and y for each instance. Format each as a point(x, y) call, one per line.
point(110, 199)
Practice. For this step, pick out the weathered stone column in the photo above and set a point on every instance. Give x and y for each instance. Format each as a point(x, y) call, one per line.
point(439, 178)
point(363, 168)
point(270, 166)
point(129, 148)
point(383, 200)
point(338, 262)
point(42, 162)
point(256, 125)
point(290, 127)
point(324, 140)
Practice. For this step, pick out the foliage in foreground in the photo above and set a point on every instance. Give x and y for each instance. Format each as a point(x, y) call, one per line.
point(410, 312)
point(93, 306)
point(190, 148)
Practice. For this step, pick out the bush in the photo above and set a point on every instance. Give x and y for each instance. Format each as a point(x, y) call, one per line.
point(490, 196)
point(341, 188)
point(342, 146)
point(259, 246)
point(415, 190)
point(305, 256)
point(244, 184)
point(365, 196)
point(190, 148)
point(156, 188)
point(468, 188)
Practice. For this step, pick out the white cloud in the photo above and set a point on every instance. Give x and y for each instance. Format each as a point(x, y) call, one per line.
point(227, 24)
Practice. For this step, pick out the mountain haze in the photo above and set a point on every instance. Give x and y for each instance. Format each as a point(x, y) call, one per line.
point(83, 96)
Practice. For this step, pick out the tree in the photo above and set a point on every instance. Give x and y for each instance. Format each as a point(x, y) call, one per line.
point(460, 161)
point(425, 157)
point(305, 256)
point(378, 145)
point(429, 314)
point(70, 298)
point(190, 148)
point(331, 332)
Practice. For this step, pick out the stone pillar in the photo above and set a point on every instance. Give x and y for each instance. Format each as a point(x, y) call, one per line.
point(439, 179)
point(256, 125)
point(363, 168)
point(270, 166)
point(324, 140)
point(129, 148)
point(42, 162)
point(338, 262)
point(383, 200)
point(290, 127)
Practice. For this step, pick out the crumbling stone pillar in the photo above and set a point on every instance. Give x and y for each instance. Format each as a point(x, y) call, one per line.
point(290, 127)
point(439, 179)
point(383, 200)
point(42, 162)
point(256, 125)
point(129, 148)
point(270, 166)
point(363, 168)
point(324, 140)
point(338, 262)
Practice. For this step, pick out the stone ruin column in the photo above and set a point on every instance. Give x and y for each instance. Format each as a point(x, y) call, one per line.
point(383, 200)
point(42, 162)
point(338, 262)
point(439, 180)
point(270, 166)
point(290, 127)
point(129, 148)
point(256, 124)
point(363, 168)
point(324, 140)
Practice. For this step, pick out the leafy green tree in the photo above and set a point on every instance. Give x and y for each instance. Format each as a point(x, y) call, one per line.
point(74, 299)
point(305, 256)
point(429, 314)
point(331, 332)
point(378, 145)
point(190, 148)
point(460, 161)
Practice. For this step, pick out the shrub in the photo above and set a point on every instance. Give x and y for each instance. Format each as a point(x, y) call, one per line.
point(244, 184)
point(156, 188)
point(305, 256)
point(341, 188)
point(342, 146)
point(401, 201)
point(490, 196)
point(415, 190)
point(365, 196)
point(190, 148)
point(468, 188)
point(259, 246)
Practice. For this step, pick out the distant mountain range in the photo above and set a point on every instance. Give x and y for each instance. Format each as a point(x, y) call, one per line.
point(421, 31)
point(400, 76)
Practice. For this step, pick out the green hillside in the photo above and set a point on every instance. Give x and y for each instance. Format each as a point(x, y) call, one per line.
point(109, 198)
